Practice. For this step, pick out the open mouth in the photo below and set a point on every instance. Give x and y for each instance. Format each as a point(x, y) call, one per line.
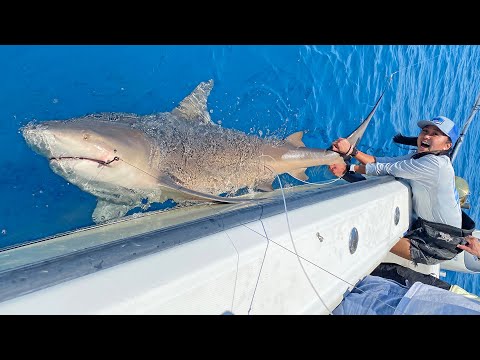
point(101, 162)
point(424, 145)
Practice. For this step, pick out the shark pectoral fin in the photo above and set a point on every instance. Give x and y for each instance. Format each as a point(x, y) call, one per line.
point(107, 211)
point(264, 186)
point(299, 174)
point(295, 139)
point(188, 194)
point(194, 106)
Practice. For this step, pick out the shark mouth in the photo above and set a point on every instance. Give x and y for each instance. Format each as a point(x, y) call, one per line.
point(101, 162)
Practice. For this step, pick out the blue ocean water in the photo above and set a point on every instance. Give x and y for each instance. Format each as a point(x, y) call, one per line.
point(270, 90)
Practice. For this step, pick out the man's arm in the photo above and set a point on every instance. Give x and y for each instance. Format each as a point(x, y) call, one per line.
point(425, 168)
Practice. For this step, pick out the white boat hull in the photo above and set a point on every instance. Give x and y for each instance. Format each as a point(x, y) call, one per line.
point(250, 260)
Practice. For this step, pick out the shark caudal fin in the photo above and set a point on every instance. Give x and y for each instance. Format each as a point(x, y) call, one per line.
point(355, 137)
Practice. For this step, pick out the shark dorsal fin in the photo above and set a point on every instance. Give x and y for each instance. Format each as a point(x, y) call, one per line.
point(194, 106)
point(295, 139)
point(299, 174)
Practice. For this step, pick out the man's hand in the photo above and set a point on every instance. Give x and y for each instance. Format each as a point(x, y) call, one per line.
point(473, 246)
point(338, 169)
point(341, 146)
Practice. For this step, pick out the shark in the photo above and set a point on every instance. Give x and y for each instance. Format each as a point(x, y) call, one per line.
point(127, 160)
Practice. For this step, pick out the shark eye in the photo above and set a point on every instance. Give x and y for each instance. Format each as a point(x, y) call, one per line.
point(85, 136)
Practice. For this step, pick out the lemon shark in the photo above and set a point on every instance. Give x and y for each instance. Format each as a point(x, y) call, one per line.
point(128, 160)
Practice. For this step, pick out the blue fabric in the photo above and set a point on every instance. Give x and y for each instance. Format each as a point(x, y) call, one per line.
point(422, 299)
point(379, 296)
point(373, 295)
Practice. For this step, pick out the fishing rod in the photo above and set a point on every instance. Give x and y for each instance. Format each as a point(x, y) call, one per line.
point(462, 186)
point(459, 141)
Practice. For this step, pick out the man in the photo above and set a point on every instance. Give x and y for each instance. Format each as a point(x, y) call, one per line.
point(439, 223)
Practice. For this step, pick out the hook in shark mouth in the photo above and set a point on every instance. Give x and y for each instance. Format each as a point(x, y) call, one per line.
point(101, 162)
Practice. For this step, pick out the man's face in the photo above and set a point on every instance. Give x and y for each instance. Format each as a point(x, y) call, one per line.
point(431, 138)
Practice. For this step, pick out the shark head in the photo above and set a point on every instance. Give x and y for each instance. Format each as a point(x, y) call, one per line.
point(88, 150)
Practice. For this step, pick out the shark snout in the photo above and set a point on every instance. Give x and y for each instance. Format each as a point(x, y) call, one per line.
point(32, 130)
point(38, 137)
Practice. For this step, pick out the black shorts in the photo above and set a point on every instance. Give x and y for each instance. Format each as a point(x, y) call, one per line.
point(432, 243)
point(407, 276)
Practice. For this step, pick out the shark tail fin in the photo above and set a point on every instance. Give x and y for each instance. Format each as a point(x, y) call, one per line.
point(355, 137)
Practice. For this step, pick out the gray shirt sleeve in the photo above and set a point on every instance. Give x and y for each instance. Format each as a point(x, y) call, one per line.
point(386, 159)
point(425, 167)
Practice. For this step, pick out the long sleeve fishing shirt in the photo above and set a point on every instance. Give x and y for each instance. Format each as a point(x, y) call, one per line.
point(432, 180)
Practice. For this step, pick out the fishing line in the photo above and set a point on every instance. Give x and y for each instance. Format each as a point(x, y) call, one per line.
point(299, 257)
point(295, 252)
point(236, 272)
point(266, 167)
point(415, 64)
point(295, 248)
point(291, 238)
point(328, 182)
point(96, 176)
point(223, 225)
point(268, 239)
point(263, 261)
point(303, 258)
point(290, 232)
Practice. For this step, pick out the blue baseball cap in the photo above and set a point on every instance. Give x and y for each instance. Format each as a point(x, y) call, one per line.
point(446, 125)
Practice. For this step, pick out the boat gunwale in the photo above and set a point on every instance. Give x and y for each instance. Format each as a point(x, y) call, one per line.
point(35, 276)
